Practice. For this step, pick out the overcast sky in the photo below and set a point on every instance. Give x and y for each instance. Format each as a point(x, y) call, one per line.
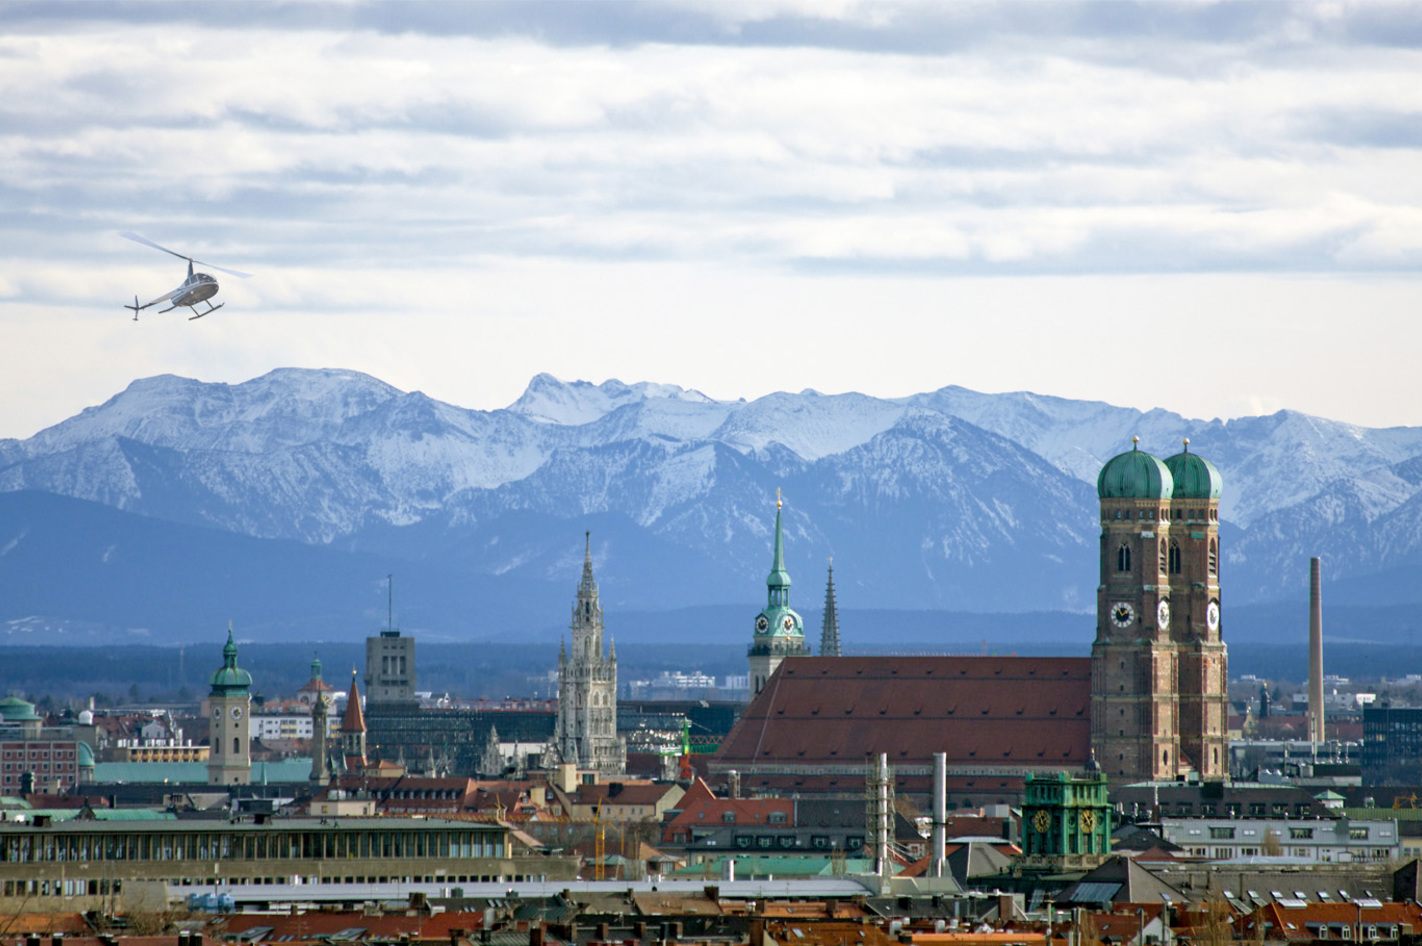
point(1211, 208)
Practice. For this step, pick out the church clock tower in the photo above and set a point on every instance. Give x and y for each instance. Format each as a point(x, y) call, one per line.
point(1193, 563)
point(779, 632)
point(1158, 698)
point(229, 760)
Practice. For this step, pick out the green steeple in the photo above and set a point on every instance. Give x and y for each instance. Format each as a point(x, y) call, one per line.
point(777, 621)
point(231, 680)
point(778, 581)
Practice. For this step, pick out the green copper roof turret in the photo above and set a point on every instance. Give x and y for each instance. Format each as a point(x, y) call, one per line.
point(231, 680)
point(1134, 475)
point(1194, 476)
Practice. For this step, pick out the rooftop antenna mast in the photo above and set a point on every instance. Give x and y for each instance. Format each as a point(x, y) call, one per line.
point(390, 602)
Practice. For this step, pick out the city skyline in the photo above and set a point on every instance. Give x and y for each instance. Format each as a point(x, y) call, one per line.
point(735, 198)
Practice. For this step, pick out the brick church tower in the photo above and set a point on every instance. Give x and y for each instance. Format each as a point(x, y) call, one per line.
point(1159, 704)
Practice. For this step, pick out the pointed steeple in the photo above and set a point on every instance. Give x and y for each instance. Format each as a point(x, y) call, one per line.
point(829, 631)
point(778, 581)
point(354, 720)
point(587, 586)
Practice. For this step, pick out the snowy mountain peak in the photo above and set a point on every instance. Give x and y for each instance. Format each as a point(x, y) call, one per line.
point(548, 400)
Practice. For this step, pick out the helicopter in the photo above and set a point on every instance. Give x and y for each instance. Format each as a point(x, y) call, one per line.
point(198, 287)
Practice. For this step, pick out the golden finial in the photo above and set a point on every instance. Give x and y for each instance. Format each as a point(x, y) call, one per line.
point(1135, 443)
point(778, 501)
point(1186, 442)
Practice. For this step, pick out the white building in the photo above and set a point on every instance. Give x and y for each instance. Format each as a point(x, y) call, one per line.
point(1317, 840)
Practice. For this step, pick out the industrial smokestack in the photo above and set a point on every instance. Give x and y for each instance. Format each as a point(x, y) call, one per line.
point(1315, 650)
point(937, 866)
point(884, 819)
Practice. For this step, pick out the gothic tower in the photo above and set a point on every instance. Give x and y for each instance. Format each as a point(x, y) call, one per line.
point(352, 733)
point(1193, 565)
point(229, 760)
point(1158, 665)
point(829, 627)
point(586, 732)
point(779, 632)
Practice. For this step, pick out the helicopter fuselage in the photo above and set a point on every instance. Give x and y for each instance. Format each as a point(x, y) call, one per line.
point(199, 287)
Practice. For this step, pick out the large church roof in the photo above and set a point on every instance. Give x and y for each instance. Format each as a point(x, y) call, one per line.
point(1032, 712)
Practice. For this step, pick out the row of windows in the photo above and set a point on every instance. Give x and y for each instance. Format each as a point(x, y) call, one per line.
point(43, 767)
point(1171, 559)
point(103, 887)
point(1323, 854)
point(41, 754)
point(1188, 515)
point(248, 846)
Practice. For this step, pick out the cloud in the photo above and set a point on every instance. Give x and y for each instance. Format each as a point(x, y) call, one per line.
point(372, 157)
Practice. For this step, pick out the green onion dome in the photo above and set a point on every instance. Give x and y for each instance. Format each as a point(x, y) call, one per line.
point(1134, 475)
point(1195, 477)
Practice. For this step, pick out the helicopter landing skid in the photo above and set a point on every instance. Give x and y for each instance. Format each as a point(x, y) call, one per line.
point(210, 309)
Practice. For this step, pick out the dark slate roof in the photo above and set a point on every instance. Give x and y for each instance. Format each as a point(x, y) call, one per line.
point(1120, 880)
point(1213, 799)
point(1010, 711)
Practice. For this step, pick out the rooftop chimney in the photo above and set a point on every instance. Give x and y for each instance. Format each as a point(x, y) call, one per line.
point(1315, 651)
point(937, 867)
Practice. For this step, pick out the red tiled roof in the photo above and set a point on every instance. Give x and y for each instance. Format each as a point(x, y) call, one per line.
point(1012, 711)
point(312, 926)
point(700, 806)
point(316, 686)
point(621, 793)
point(1289, 922)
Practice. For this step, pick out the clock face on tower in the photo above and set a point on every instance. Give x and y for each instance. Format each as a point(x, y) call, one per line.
point(1162, 614)
point(1212, 615)
point(217, 712)
point(1122, 614)
point(761, 624)
point(1041, 821)
point(236, 712)
point(788, 623)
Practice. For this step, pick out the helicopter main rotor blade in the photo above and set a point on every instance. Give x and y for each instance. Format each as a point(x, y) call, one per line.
point(230, 272)
point(147, 242)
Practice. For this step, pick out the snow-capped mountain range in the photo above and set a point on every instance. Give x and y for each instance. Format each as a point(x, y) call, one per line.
point(950, 499)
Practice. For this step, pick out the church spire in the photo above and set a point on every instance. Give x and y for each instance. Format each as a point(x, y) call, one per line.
point(587, 587)
point(829, 630)
point(778, 581)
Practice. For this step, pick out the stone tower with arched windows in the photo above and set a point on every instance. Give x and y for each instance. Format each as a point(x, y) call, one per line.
point(1159, 703)
point(229, 758)
point(586, 732)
